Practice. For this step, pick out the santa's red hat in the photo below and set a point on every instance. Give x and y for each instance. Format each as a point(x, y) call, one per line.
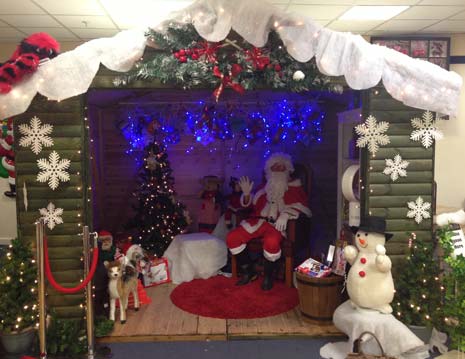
point(104, 233)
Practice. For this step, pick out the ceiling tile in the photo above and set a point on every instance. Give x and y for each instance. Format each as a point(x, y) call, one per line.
point(405, 25)
point(442, 2)
point(319, 12)
point(385, 2)
point(59, 33)
point(19, 7)
point(9, 32)
point(30, 20)
point(94, 33)
point(459, 16)
point(429, 12)
point(92, 22)
point(320, 2)
point(448, 26)
point(354, 26)
point(71, 7)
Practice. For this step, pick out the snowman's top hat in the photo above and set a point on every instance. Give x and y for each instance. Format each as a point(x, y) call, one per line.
point(373, 224)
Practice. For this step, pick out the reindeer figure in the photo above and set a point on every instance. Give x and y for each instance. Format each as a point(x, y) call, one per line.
point(123, 280)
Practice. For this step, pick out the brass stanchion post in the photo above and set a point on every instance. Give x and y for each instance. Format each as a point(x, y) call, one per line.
point(89, 297)
point(41, 287)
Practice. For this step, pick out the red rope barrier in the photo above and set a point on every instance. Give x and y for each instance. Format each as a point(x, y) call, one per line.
point(57, 286)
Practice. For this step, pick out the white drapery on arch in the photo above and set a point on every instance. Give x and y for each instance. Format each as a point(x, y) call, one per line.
point(415, 82)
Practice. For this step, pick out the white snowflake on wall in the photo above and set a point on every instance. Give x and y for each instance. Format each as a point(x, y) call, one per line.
point(425, 129)
point(372, 134)
point(51, 215)
point(396, 167)
point(36, 135)
point(419, 210)
point(53, 170)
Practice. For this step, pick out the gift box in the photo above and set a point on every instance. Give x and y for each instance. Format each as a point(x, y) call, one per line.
point(313, 268)
point(158, 273)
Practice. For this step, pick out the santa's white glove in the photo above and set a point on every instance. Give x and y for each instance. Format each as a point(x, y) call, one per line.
point(246, 185)
point(281, 222)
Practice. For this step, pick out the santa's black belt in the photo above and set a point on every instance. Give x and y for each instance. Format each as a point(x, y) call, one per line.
point(268, 219)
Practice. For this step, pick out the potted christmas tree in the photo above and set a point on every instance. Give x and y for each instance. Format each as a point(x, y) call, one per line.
point(18, 298)
point(418, 296)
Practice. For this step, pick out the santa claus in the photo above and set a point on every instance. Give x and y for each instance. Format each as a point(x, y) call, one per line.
point(274, 203)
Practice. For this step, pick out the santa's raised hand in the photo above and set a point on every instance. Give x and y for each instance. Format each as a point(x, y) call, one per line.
point(246, 185)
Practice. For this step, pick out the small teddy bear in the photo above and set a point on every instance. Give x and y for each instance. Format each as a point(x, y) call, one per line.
point(210, 209)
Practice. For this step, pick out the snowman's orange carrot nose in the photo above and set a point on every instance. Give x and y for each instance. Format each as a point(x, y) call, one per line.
point(362, 241)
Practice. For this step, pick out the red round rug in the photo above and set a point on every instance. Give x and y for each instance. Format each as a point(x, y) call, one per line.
point(219, 297)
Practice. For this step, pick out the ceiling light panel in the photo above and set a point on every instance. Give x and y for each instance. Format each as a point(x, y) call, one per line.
point(372, 12)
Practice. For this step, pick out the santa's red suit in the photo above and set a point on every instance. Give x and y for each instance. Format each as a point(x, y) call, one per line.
point(264, 214)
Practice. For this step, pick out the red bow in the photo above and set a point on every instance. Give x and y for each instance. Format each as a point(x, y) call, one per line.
point(257, 58)
point(207, 49)
point(227, 81)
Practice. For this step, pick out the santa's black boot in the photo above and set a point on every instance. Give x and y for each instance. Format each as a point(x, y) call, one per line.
point(248, 271)
point(269, 269)
point(12, 192)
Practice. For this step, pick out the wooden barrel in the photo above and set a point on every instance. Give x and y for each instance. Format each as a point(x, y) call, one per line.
point(319, 297)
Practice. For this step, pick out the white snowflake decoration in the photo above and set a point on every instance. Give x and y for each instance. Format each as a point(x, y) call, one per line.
point(51, 215)
point(35, 135)
point(396, 168)
point(372, 134)
point(425, 129)
point(53, 170)
point(419, 210)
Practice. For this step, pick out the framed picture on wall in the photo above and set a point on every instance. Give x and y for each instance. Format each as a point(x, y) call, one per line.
point(432, 49)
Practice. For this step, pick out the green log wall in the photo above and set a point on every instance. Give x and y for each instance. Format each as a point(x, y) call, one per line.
point(65, 243)
point(388, 199)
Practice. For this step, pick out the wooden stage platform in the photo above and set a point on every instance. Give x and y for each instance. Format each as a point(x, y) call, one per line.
point(161, 320)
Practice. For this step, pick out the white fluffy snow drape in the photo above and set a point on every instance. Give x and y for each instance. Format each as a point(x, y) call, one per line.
point(416, 83)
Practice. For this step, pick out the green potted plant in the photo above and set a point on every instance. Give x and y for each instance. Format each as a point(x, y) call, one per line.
point(18, 297)
point(417, 301)
point(454, 284)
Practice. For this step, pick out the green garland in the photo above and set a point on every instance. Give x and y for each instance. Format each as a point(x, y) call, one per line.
point(454, 283)
point(186, 60)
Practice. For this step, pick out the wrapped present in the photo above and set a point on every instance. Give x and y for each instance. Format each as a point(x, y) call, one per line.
point(314, 268)
point(158, 272)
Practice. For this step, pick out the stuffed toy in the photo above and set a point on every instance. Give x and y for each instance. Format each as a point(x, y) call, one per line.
point(234, 202)
point(210, 209)
point(26, 59)
point(369, 282)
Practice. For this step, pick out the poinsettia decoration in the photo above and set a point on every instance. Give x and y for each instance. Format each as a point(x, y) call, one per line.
point(184, 58)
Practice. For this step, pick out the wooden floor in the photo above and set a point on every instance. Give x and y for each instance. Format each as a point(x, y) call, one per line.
point(161, 320)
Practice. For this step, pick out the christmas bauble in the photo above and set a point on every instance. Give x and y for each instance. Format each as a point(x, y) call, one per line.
point(298, 76)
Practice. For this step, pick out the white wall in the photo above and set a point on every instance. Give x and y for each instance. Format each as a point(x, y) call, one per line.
point(450, 165)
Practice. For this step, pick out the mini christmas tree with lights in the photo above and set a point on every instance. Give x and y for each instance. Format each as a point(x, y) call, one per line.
point(418, 287)
point(159, 216)
point(18, 289)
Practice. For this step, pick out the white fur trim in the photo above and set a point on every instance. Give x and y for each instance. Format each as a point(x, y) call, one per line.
point(249, 228)
point(11, 180)
point(279, 157)
point(299, 207)
point(6, 165)
point(272, 257)
point(5, 145)
point(237, 250)
point(248, 202)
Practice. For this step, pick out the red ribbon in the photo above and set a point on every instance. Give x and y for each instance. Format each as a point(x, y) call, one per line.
point(208, 50)
point(259, 61)
point(227, 81)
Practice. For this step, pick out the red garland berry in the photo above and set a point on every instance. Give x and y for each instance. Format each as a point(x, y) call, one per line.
point(176, 54)
point(277, 67)
point(195, 56)
point(182, 52)
point(182, 59)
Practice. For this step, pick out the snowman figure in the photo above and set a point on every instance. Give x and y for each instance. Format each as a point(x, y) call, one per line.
point(369, 283)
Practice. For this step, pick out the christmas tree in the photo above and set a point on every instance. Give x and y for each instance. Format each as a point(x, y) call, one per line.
point(159, 216)
point(418, 288)
point(18, 288)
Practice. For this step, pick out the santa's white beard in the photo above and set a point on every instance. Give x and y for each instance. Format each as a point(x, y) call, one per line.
point(276, 186)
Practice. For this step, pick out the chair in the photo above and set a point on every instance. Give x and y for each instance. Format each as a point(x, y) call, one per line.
point(298, 231)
